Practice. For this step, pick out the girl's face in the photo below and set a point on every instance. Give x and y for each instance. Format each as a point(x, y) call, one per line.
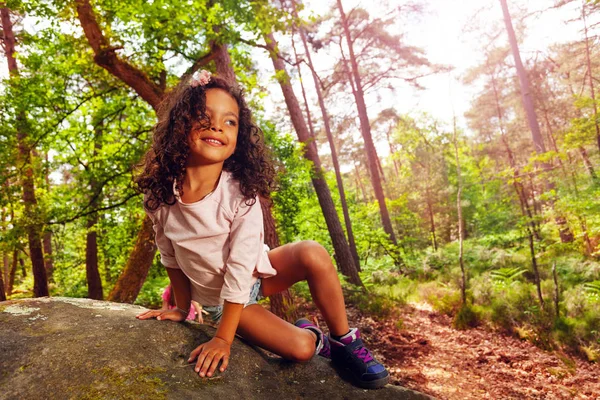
point(216, 144)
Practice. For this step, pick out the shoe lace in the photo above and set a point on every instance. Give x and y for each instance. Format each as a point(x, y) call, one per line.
point(363, 353)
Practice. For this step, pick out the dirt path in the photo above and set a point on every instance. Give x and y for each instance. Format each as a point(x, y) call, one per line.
point(428, 355)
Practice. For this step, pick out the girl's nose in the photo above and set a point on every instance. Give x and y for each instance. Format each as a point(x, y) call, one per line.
point(216, 128)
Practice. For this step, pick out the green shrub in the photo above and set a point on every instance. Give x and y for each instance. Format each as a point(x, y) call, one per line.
point(441, 297)
point(465, 318)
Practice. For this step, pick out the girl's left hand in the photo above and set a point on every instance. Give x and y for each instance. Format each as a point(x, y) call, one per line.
point(209, 355)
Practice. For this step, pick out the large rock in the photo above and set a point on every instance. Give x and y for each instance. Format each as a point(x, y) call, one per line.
point(63, 348)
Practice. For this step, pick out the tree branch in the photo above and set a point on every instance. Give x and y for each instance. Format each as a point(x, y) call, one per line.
point(106, 57)
point(84, 214)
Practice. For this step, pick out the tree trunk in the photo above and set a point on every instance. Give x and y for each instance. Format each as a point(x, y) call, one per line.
point(564, 231)
point(431, 224)
point(40, 280)
point(94, 281)
point(393, 153)
point(534, 266)
point(4, 269)
point(91, 260)
point(463, 286)
point(48, 258)
point(342, 250)
point(590, 74)
point(334, 157)
point(360, 183)
point(13, 272)
point(131, 280)
point(365, 129)
point(47, 237)
point(520, 192)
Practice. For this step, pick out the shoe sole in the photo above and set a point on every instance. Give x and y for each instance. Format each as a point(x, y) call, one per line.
point(374, 384)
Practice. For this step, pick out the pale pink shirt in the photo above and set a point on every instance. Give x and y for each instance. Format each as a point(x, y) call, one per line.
point(218, 243)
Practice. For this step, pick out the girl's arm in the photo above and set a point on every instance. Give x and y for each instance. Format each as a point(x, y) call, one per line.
point(209, 354)
point(180, 284)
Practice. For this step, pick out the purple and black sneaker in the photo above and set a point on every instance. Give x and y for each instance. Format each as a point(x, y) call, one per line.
point(323, 348)
point(350, 353)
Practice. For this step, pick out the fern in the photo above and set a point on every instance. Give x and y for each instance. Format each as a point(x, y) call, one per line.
point(506, 276)
point(592, 289)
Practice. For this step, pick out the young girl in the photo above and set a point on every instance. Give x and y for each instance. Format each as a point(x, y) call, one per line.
point(201, 182)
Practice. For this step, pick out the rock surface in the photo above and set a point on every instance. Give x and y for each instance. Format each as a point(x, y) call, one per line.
point(64, 348)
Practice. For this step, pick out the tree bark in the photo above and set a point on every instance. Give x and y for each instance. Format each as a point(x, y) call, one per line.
point(91, 260)
point(106, 57)
point(131, 280)
point(48, 258)
point(94, 281)
point(334, 157)
point(342, 250)
point(40, 280)
point(463, 286)
point(365, 129)
point(13, 271)
point(4, 269)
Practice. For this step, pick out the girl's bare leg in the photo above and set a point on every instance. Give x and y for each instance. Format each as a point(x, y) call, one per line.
point(295, 262)
point(310, 261)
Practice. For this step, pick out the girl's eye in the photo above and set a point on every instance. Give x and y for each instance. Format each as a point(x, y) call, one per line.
point(231, 122)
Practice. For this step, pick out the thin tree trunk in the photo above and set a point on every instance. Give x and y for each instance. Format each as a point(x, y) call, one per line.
point(431, 224)
point(366, 131)
point(590, 74)
point(48, 258)
point(343, 255)
point(565, 233)
point(531, 229)
point(47, 238)
point(463, 286)
point(392, 153)
point(334, 157)
point(94, 281)
point(360, 183)
point(556, 290)
point(40, 280)
point(4, 268)
point(91, 260)
point(535, 267)
point(13, 272)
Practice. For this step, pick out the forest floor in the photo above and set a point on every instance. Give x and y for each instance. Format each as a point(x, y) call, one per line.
point(428, 355)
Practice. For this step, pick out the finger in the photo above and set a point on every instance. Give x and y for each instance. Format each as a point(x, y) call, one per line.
point(200, 360)
point(207, 361)
point(225, 363)
point(148, 314)
point(214, 364)
point(195, 353)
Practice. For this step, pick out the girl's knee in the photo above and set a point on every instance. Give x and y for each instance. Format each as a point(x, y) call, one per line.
point(313, 254)
point(303, 348)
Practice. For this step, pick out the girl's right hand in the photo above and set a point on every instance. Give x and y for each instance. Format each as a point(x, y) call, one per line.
point(163, 315)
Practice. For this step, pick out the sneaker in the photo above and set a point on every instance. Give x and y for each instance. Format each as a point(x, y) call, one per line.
point(350, 353)
point(323, 348)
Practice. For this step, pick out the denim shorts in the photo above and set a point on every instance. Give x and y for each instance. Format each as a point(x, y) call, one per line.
point(216, 312)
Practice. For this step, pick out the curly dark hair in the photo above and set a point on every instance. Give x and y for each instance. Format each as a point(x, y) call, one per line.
point(165, 162)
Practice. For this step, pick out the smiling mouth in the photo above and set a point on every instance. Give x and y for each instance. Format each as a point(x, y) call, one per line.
point(213, 141)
